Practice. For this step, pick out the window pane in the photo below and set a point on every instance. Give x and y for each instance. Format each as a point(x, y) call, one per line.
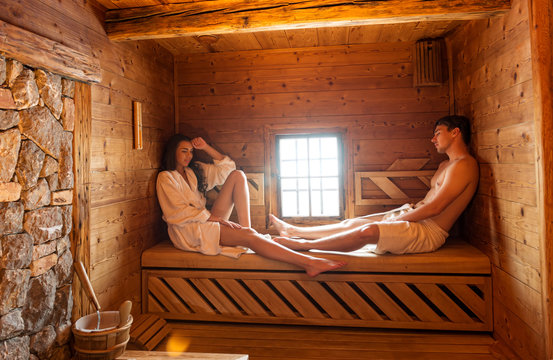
point(315, 168)
point(303, 168)
point(288, 168)
point(303, 203)
point(316, 203)
point(288, 184)
point(329, 147)
point(287, 149)
point(302, 148)
point(331, 203)
point(330, 183)
point(329, 167)
point(303, 184)
point(289, 203)
point(316, 184)
point(314, 148)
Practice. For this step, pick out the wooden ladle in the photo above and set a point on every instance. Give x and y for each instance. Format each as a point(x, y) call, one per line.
point(85, 281)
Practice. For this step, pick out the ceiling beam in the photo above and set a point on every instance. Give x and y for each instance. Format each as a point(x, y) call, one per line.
point(210, 17)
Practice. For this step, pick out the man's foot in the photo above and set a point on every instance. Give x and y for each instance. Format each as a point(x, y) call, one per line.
point(283, 228)
point(293, 244)
point(318, 265)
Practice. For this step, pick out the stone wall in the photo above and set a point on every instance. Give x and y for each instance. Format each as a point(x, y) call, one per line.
point(36, 189)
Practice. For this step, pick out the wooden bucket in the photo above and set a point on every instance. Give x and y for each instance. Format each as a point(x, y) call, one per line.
point(106, 343)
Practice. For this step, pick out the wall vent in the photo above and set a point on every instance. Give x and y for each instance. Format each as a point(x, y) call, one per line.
point(428, 68)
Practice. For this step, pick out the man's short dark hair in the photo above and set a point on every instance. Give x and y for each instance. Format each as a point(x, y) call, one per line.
point(456, 121)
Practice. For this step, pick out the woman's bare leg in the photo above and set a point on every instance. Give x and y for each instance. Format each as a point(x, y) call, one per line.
point(249, 238)
point(345, 241)
point(234, 192)
point(317, 232)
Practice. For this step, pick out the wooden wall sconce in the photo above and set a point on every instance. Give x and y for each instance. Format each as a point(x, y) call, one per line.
point(137, 124)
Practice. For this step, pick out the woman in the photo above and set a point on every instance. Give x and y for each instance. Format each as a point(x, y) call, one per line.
point(180, 191)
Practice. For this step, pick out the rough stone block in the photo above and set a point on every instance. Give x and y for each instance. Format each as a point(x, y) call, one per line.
point(63, 268)
point(42, 265)
point(40, 301)
point(43, 342)
point(67, 215)
point(13, 289)
point(17, 251)
point(50, 166)
point(2, 70)
point(64, 306)
point(42, 250)
point(63, 244)
point(31, 158)
point(24, 90)
point(68, 87)
point(64, 197)
point(11, 218)
point(8, 119)
point(68, 114)
point(11, 325)
point(37, 196)
point(15, 348)
point(49, 87)
point(13, 69)
point(44, 224)
point(39, 125)
point(10, 191)
point(65, 174)
point(10, 143)
point(53, 181)
point(6, 99)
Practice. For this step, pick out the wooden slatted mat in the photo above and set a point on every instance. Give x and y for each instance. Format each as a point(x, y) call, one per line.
point(410, 301)
point(147, 331)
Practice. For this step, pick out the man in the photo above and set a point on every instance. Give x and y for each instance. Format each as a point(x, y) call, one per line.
point(408, 229)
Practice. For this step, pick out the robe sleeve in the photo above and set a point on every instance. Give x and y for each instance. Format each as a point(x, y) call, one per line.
point(177, 210)
point(217, 173)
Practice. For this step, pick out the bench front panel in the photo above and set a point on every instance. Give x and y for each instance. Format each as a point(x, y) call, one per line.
point(406, 301)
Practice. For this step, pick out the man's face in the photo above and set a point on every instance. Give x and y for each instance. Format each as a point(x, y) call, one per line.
point(442, 138)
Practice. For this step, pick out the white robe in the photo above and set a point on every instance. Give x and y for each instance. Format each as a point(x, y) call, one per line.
point(184, 209)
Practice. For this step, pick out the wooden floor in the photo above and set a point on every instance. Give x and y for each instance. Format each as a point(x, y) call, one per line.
point(308, 342)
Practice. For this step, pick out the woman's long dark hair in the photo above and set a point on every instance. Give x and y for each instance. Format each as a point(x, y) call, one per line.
point(169, 161)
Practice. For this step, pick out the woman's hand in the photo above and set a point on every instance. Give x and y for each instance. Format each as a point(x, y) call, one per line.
point(198, 143)
point(224, 222)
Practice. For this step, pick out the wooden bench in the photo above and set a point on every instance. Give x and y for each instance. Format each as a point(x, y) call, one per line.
point(449, 289)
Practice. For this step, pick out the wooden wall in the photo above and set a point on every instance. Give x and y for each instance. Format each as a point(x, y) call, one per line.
point(492, 69)
point(124, 215)
point(236, 99)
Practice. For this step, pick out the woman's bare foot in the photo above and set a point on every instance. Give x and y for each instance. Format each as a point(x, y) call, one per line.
point(319, 265)
point(293, 244)
point(283, 228)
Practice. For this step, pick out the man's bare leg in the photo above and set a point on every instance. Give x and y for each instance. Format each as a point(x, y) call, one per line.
point(349, 240)
point(317, 232)
point(248, 237)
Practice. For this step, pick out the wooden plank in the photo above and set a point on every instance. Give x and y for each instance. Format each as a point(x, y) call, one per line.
point(242, 297)
point(80, 235)
point(392, 310)
point(206, 18)
point(215, 296)
point(444, 303)
point(165, 296)
point(303, 305)
point(36, 51)
point(325, 300)
point(541, 28)
point(354, 301)
point(189, 295)
point(164, 355)
point(269, 298)
point(414, 302)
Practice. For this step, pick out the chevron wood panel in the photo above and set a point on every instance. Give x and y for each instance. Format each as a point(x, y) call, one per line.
point(391, 194)
point(448, 302)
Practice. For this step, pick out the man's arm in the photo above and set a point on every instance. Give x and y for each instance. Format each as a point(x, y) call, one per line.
point(456, 179)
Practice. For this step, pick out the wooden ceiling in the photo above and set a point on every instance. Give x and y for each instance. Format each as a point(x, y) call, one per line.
point(202, 26)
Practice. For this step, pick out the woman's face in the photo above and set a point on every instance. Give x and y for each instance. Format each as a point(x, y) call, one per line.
point(184, 154)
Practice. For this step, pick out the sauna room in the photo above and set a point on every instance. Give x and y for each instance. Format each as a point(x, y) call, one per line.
point(92, 90)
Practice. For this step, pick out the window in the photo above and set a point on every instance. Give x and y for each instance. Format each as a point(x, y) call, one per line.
point(309, 175)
